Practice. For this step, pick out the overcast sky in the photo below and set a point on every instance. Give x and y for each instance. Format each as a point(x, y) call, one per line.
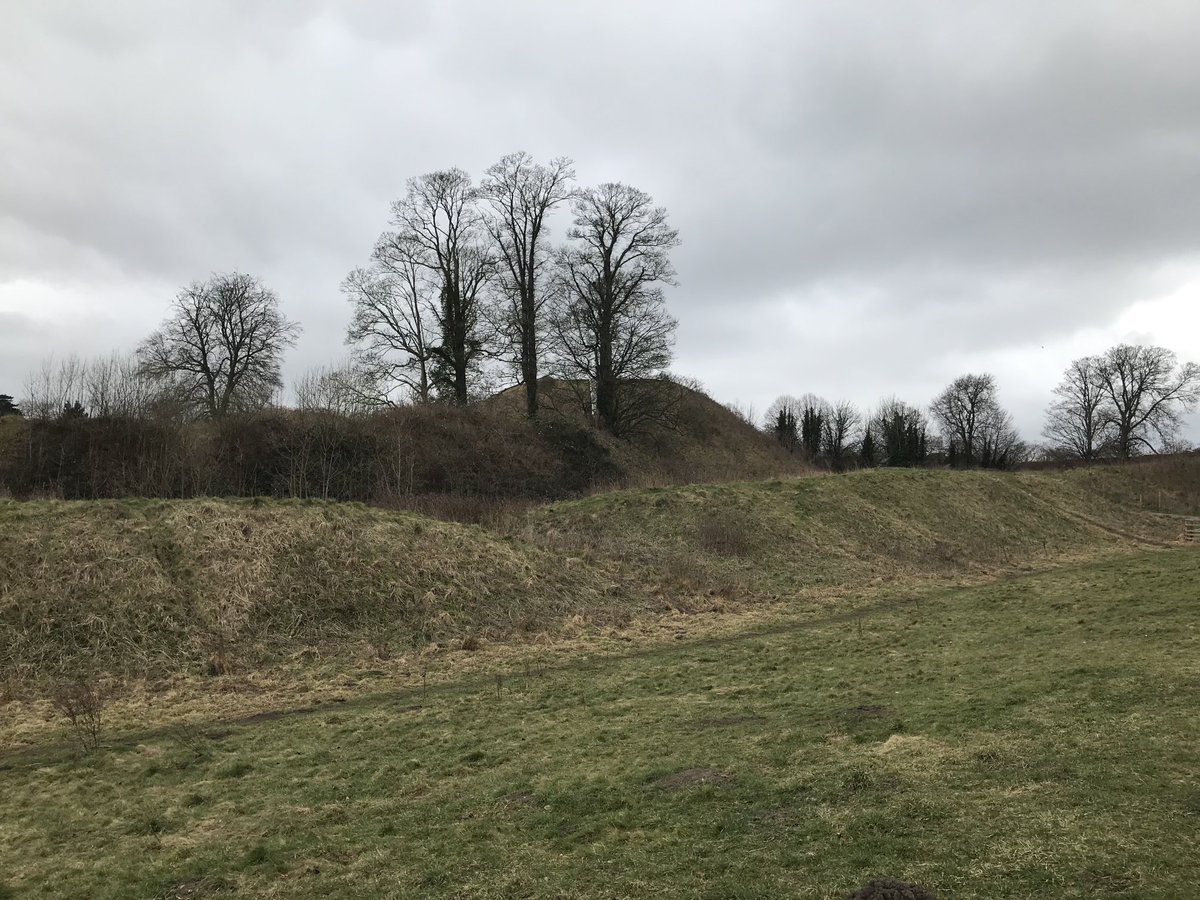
point(873, 197)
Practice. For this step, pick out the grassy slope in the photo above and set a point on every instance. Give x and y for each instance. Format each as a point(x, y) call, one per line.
point(1032, 737)
point(180, 586)
point(811, 536)
point(154, 585)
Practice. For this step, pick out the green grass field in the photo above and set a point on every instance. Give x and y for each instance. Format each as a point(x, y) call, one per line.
point(1032, 737)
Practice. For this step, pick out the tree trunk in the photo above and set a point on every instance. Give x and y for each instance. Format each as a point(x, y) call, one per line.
point(529, 361)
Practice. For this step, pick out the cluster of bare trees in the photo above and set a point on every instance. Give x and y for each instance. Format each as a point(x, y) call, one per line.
point(219, 351)
point(1128, 401)
point(1125, 402)
point(74, 387)
point(467, 277)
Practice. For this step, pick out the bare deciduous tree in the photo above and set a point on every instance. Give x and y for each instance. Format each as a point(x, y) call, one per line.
point(1077, 423)
point(394, 306)
point(54, 386)
point(521, 194)
point(840, 433)
point(611, 323)
point(222, 345)
point(115, 386)
point(347, 390)
point(1146, 393)
point(438, 221)
point(977, 430)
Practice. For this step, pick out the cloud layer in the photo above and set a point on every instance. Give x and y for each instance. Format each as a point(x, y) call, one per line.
point(873, 197)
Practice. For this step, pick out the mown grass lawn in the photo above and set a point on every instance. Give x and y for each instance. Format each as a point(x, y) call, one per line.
point(1037, 737)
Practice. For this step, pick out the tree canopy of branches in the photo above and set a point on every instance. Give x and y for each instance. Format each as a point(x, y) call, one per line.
point(1145, 393)
point(221, 347)
point(1078, 424)
point(840, 434)
point(390, 328)
point(440, 232)
point(976, 429)
point(521, 194)
point(610, 322)
point(347, 390)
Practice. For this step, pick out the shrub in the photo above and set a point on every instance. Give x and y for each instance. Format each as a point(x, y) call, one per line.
point(81, 700)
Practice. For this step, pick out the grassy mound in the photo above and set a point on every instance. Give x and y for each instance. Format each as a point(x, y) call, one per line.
point(196, 585)
point(778, 538)
point(144, 586)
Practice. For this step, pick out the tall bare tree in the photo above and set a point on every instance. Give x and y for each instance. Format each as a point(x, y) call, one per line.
point(439, 221)
point(1077, 422)
point(1146, 393)
point(611, 323)
point(840, 436)
point(977, 430)
point(392, 330)
point(221, 347)
point(521, 194)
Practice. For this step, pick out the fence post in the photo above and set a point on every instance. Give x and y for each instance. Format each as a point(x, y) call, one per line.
point(1191, 530)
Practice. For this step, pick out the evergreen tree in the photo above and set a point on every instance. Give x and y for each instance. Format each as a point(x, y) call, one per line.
point(812, 427)
point(785, 429)
point(8, 407)
point(866, 450)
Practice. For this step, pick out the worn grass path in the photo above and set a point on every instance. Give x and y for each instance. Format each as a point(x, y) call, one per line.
point(1035, 737)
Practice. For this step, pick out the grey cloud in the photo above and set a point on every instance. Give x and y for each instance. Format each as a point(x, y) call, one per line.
point(848, 179)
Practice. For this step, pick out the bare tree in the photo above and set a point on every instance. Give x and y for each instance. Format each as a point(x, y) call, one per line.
point(221, 347)
point(394, 308)
point(347, 389)
point(840, 436)
point(115, 386)
point(1078, 423)
point(521, 194)
point(1146, 393)
point(53, 387)
point(744, 411)
point(977, 430)
point(438, 221)
point(611, 323)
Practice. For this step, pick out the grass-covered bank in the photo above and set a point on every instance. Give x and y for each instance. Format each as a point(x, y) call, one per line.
point(1032, 737)
point(146, 588)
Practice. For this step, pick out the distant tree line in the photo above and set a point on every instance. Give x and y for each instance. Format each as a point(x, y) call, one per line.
point(1128, 401)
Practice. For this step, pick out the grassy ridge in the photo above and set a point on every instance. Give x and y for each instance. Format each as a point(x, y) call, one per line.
point(778, 538)
point(161, 585)
point(1031, 737)
point(184, 586)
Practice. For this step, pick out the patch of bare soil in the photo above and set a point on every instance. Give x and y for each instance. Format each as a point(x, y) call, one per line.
point(677, 781)
point(891, 889)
